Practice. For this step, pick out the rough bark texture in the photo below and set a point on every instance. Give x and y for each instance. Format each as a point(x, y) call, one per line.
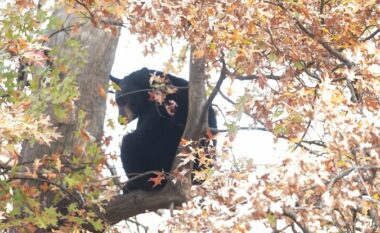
point(129, 205)
point(100, 47)
point(196, 123)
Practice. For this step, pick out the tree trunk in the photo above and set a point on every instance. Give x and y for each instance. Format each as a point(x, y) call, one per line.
point(100, 47)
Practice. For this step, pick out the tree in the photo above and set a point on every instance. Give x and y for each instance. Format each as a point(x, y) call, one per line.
point(60, 100)
point(311, 77)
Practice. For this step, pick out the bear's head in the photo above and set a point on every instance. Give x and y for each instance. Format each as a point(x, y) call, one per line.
point(133, 98)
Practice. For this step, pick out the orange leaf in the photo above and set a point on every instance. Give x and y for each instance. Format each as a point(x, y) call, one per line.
point(160, 176)
point(102, 92)
point(44, 187)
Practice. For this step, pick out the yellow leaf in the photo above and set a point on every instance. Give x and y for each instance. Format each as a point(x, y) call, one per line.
point(341, 163)
point(119, 11)
point(294, 140)
point(336, 97)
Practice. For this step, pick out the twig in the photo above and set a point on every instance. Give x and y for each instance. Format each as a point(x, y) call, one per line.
point(222, 77)
point(372, 35)
point(85, 7)
point(253, 77)
point(347, 172)
point(354, 95)
point(303, 136)
point(226, 98)
point(322, 42)
point(80, 202)
point(293, 217)
point(244, 128)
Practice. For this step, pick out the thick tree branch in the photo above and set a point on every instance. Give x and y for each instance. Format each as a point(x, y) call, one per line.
point(196, 123)
point(137, 202)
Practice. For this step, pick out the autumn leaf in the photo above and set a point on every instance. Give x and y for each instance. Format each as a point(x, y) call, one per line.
point(160, 176)
point(44, 187)
point(102, 92)
point(262, 81)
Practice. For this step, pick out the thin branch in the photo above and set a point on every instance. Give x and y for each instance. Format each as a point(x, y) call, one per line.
point(303, 136)
point(283, 137)
point(354, 95)
point(62, 29)
point(85, 7)
point(372, 35)
point(314, 76)
point(226, 98)
point(322, 42)
point(222, 77)
point(347, 172)
point(315, 142)
point(254, 77)
point(146, 90)
point(113, 22)
point(41, 180)
point(325, 45)
point(244, 128)
point(293, 217)
point(338, 80)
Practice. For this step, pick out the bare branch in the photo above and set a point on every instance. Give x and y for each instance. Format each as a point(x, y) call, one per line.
point(322, 42)
point(303, 136)
point(293, 217)
point(41, 180)
point(372, 35)
point(347, 172)
point(325, 45)
point(354, 95)
point(253, 77)
point(222, 77)
point(244, 128)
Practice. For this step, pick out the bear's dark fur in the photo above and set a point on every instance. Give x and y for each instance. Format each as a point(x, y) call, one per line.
point(152, 146)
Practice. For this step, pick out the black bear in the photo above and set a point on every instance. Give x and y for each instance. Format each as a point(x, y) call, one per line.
point(153, 145)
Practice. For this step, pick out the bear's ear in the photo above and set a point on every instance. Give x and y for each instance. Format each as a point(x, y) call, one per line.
point(145, 69)
point(115, 80)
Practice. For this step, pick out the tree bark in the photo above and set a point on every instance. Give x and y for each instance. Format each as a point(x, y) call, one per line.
point(100, 47)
